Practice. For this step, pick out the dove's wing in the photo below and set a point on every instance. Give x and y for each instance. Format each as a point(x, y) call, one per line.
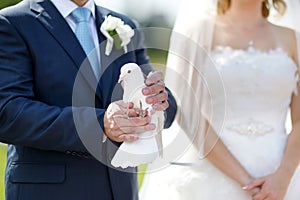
point(133, 93)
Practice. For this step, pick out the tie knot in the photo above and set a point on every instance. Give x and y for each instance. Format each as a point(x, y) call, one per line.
point(81, 15)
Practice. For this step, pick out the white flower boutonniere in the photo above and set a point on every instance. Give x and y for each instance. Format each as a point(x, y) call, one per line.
point(117, 33)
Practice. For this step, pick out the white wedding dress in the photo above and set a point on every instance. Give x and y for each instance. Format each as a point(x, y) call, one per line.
point(258, 87)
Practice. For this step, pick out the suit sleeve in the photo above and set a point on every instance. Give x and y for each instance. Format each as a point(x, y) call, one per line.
point(143, 61)
point(26, 121)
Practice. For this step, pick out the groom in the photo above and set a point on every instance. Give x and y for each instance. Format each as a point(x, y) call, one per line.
point(54, 112)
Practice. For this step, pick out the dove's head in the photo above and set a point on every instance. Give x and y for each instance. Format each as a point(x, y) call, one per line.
point(130, 70)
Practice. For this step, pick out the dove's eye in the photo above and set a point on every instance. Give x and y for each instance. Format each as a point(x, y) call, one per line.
point(129, 71)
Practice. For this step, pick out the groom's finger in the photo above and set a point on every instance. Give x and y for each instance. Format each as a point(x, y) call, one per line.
point(158, 98)
point(132, 121)
point(154, 78)
point(128, 137)
point(138, 129)
point(124, 105)
point(161, 106)
point(119, 136)
point(154, 89)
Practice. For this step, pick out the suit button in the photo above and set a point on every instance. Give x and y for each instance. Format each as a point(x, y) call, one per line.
point(86, 156)
point(80, 154)
point(68, 152)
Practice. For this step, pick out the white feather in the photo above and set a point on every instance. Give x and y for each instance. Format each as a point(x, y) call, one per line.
point(148, 147)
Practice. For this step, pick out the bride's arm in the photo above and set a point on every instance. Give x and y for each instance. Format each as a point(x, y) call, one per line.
point(218, 154)
point(274, 186)
point(291, 158)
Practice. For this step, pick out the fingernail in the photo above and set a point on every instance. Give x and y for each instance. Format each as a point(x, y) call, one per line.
point(149, 100)
point(152, 126)
point(122, 137)
point(245, 187)
point(132, 137)
point(148, 82)
point(146, 91)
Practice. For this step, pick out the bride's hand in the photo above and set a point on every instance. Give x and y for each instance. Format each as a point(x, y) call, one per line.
point(253, 191)
point(273, 186)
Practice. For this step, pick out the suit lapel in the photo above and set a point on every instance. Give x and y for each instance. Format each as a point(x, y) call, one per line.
point(52, 20)
point(100, 17)
point(106, 81)
point(110, 65)
point(101, 13)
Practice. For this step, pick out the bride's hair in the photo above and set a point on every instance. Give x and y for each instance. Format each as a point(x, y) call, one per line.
point(279, 5)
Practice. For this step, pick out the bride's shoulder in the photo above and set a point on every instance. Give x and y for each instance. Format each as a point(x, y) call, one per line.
point(287, 37)
point(283, 31)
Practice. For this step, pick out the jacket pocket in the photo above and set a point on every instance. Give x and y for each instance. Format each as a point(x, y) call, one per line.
point(21, 172)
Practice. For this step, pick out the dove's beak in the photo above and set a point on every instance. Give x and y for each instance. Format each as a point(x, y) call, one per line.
point(121, 77)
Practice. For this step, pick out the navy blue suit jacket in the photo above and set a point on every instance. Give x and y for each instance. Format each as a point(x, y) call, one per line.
point(40, 58)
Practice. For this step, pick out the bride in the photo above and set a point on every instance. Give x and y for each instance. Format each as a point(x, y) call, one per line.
point(235, 75)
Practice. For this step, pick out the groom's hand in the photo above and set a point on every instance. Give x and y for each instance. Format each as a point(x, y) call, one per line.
point(123, 124)
point(155, 90)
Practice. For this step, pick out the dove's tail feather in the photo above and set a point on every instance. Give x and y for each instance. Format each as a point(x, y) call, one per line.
point(133, 154)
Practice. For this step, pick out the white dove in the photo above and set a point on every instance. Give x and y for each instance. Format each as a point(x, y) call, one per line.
point(149, 145)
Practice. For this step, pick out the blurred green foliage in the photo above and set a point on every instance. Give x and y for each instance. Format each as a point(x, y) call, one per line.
point(5, 3)
point(158, 57)
point(142, 169)
point(2, 168)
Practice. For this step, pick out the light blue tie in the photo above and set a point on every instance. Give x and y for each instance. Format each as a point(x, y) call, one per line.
point(83, 33)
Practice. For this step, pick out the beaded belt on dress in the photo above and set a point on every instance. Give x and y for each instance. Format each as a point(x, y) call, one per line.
point(251, 127)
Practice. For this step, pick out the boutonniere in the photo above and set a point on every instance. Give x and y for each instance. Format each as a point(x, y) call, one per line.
point(117, 33)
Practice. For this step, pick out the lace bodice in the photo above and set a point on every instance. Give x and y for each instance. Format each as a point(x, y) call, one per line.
point(258, 87)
